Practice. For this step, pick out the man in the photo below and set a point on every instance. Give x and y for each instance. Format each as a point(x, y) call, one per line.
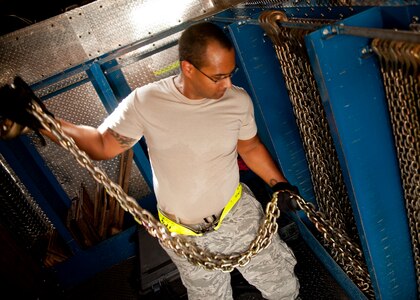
point(195, 125)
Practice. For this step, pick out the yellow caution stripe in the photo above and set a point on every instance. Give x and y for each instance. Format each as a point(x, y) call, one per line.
point(167, 69)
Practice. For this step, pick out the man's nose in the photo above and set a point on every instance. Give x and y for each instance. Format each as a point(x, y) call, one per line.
point(227, 82)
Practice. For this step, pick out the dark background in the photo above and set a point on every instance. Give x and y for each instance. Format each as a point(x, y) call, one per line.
point(18, 14)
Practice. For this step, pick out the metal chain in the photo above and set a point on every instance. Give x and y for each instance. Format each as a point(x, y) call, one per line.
point(334, 220)
point(400, 68)
point(179, 244)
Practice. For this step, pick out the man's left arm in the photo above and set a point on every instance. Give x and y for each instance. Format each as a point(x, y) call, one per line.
point(258, 159)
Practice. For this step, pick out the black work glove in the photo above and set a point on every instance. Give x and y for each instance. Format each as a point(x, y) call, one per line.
point(285, 201)
point(15, 100)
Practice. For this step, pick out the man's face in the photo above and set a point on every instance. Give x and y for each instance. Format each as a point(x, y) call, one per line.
point(213, 78)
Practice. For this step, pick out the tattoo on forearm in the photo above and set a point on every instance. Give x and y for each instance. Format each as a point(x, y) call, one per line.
point(273, 181)
point(124, 141)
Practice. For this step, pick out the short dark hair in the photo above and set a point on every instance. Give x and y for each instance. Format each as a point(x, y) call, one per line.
point(194, 40)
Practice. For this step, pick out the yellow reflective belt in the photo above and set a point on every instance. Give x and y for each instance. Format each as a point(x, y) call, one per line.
point(236, 196)
point(182, 229)
point(175, 227)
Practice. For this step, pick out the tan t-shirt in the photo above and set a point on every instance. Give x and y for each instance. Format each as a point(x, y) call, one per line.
point(191, 144)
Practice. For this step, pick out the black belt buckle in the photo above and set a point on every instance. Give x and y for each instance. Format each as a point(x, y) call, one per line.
point(210, 225)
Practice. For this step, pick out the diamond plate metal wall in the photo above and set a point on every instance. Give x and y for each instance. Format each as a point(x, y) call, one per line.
point(53, 45)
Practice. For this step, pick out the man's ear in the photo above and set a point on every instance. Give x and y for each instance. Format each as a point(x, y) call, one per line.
point(186, 68)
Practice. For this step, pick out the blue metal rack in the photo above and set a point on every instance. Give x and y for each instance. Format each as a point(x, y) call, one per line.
point(352, 93)
point(278, 129)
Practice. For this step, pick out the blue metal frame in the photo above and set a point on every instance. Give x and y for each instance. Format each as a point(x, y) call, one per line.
point(353, 97)
point(88, 262)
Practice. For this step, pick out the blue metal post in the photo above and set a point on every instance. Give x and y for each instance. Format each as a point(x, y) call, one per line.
point(110, 102)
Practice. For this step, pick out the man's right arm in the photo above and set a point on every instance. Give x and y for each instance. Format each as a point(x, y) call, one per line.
point(98, 145)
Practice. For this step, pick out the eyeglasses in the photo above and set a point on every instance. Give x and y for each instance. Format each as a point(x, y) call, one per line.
point(219, 78)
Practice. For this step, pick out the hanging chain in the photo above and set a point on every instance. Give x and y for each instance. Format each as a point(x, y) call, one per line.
point(400, 68)
point(179, 244)
point(334, 220)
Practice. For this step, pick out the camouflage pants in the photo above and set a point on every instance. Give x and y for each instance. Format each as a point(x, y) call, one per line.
point(271, 271)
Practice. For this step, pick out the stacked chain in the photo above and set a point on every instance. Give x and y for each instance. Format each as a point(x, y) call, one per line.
point(400, 68)
point(179, 244)
point(335, 219)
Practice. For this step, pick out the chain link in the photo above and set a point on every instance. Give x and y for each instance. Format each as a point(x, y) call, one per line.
point(334, 219)
point(400, 68)
point(181, 246)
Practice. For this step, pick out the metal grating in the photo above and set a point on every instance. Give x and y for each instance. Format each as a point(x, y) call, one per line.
point(19, 212)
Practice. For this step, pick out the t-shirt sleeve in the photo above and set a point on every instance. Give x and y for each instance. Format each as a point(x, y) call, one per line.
point(126, 119)
point(249, 126)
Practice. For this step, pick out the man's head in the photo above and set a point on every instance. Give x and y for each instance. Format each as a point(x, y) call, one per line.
point(207, 60)
point(195, 39)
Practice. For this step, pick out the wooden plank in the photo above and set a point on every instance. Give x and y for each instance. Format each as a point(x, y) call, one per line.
point(125, 184)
